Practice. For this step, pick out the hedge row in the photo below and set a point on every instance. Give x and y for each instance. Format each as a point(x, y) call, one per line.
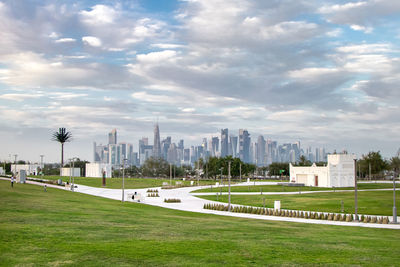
point(152, 190)
point(153, 195)
point(298, 214)
point(172, 200)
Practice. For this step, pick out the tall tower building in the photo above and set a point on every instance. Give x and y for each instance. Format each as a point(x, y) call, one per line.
point(244, 145)
point(233, 143)
point(224, 143)
point(112, 137)
point(157, 143)
point(214, 146)
point(260, 152)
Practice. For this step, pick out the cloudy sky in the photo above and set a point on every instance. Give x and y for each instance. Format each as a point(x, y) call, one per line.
point(326, 73)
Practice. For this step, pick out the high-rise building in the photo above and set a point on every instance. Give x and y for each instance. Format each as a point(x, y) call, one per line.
point(260, 151)
point(224, 143)
point(233, 145)
point(214, 146)
point(244, 145)
point(165, 146)
point(157, 143)
point(112, 137)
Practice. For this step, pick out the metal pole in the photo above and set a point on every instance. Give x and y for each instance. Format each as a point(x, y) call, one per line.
point(240, 171)
point(221, 176)
point(170, 174)
point(15, 164)
point(69, 174)
point(355, 191)
point(73, 174)
point(123, 181)
point(369, 171)
point(41, 164)
point(394, 199)
point(229, 185)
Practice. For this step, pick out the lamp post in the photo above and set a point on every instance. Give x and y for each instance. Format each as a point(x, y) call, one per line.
point(73, 173)
point(394, 199)
point(41, 164)
point(229, 185)
point(240, 172)
point(15, 164)
point(170, 174)
point(123, 180)
point(355, 192)
point(70, 174)
point(221, 176)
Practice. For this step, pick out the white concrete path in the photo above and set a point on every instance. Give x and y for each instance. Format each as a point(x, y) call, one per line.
point(194, 204)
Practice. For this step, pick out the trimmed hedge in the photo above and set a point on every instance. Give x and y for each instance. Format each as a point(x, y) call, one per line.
point(297, 214)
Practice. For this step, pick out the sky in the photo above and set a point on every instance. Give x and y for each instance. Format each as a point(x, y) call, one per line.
point(326, 73)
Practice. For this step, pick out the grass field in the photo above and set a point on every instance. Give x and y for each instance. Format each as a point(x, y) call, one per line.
point(116, 183)
point(64, 228)
point(283, 188)
point(369, 202)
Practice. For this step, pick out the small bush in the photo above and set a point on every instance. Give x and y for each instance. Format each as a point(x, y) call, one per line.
point(153, 195)
point(172, 200)
point(373, 220)
point(349, 218)
point(326, 216)
point(385, 220)
point(362, 218)
point(380, 220)
point(330, 217)
point(152, 191)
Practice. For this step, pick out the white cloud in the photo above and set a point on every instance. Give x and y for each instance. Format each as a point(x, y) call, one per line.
point(155, 57)
point(92, 41)
point(19, 97)
point(361, 28)
point(65, 40)
point(99, 14)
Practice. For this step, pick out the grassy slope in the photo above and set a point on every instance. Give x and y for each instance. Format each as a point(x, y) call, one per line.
point(60, 227)
point(281, 188)
point(369, 202)
point(117, 182)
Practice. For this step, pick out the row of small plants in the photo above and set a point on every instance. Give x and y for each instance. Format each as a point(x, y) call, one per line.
point(152, 190)
point(298, 214)
point(172, 200)
point(152, 195)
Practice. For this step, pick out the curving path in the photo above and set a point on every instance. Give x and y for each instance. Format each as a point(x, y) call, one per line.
point(189, 202)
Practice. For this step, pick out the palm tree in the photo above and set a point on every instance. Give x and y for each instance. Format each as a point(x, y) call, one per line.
point(62, 136)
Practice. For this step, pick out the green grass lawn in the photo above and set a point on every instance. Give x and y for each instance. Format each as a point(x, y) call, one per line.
point(64, 228)
point(116, 183)
point(369, 202)
point(284, 188)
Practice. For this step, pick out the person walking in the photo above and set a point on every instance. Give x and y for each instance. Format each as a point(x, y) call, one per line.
point(12, 181)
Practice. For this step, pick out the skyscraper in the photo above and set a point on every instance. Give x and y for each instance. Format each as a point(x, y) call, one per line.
point(260, 152)
point(112, 137)
point(157, 144)
point(244, 145)
point(233, 145)
point(224, 142)
point(214, 146)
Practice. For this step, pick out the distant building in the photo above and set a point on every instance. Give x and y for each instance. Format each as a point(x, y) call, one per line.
point(98, 170)
point(30, 169)
point(260, 151)
point(224, 143)
point(244, 146)
point(112, 137)
point(233, 141)
point(339, 172)
point(157, 143)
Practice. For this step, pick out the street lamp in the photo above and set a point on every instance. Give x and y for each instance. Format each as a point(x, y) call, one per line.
point(355, 191)
point(123, 180)
point(15, 164)
point(73, 175)
point(41, 164)
point(221, 176)
point(229, 185)
point(394, 199)
point(240, 172)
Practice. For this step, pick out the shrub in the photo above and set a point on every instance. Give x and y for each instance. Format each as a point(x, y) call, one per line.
point(172, 200)
point(385, 220)
point(366, 219)
point(362, 218)
point(344, 217)
point(373, 220)
point(302, 214)
point(152, 191)
point(306, 215)
point(326, 216)
point(380, 220)
point(330, 217)
point(349, 218)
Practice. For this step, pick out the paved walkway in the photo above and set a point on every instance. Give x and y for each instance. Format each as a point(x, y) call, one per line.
point(194, 204)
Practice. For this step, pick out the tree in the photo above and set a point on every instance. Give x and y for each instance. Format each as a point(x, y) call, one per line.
point(395, 164)
point(303, 161)
point(62, 136)
point(374, 161)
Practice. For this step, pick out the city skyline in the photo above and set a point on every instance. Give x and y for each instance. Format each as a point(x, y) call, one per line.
point(322, 72)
